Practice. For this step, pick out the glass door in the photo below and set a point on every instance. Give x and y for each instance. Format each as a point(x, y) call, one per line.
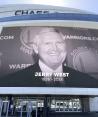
point(5, 108)
point(30, 107)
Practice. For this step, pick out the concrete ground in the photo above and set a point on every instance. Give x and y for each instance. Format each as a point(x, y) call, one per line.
point(76, 115)
point(66, 115)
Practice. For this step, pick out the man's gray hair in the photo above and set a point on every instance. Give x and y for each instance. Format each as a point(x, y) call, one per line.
point(33, 33)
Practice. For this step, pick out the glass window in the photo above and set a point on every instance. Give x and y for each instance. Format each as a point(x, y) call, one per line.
point(65, 105)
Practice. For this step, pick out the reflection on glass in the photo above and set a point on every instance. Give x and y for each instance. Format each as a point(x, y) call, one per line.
point(24, 104)
point(66, 105)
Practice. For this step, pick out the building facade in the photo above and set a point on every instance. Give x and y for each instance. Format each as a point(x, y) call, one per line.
point(79, 28)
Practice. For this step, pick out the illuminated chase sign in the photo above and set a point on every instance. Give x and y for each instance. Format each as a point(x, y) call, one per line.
point(30, 12)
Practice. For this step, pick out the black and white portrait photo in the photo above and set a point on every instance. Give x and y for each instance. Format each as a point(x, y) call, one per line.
point(49, 57)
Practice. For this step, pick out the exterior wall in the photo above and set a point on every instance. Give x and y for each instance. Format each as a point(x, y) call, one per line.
point(93, 104)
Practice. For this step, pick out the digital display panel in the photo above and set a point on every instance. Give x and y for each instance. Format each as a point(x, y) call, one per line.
point(47, 56)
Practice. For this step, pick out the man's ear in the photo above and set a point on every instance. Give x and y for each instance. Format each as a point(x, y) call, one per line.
point(35, 48)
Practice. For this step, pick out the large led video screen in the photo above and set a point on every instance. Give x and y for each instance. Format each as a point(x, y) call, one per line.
point(48, 56)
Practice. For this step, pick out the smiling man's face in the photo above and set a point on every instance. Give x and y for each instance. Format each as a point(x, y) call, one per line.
point(51, 49)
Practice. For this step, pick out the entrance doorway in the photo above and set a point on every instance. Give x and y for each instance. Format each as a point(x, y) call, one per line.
point(30, 107)
point(39, 106)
